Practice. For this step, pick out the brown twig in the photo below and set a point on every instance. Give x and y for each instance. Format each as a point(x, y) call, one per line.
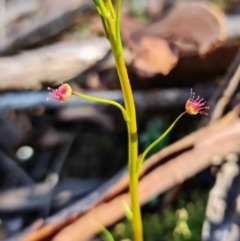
point(226, 97)
point(52, 64)
point(219, 93)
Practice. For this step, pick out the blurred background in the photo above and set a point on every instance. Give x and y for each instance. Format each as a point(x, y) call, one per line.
point(64, 164)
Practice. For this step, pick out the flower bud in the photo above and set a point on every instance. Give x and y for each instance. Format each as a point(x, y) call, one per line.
point(196, 106)
point(62, 93)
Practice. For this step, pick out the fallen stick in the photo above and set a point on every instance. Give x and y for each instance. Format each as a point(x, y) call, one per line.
point(53, 64)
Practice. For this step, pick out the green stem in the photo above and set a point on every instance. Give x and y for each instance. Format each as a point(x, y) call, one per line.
point(149, 148)
point(118, 37)
point(104, 27)
point(132, 147)
point(132, 138)
point(113, 27)
point(104, 12)
point(110, 8)
point(104, 101)
point(106, 235)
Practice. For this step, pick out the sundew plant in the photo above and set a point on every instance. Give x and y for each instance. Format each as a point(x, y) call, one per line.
point(110, 17)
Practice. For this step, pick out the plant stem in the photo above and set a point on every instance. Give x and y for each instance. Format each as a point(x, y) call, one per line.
point(149, 148)
point(132, 130)
point(132, 147)
point(112, 27)
point(106, 235)
point(104, 101)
